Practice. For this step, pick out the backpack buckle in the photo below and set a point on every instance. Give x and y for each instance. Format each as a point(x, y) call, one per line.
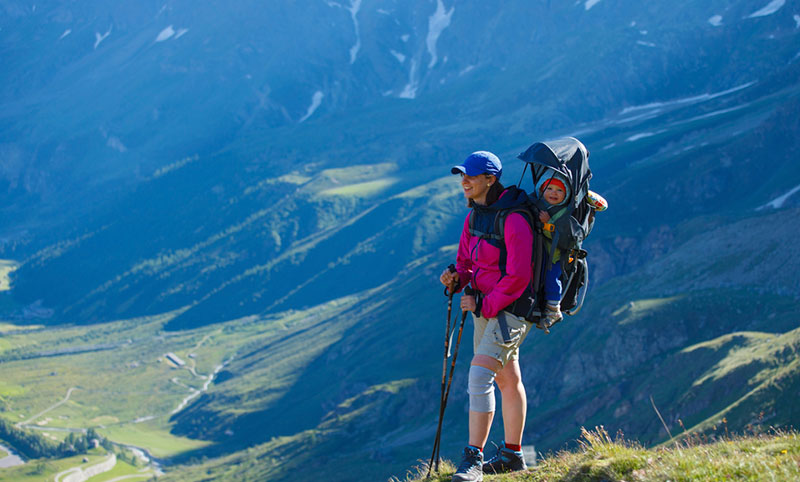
point(549, 227)
point(579, 253)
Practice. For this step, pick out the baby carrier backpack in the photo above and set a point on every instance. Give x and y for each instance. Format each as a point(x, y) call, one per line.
point(570, 224)
point(572, 221)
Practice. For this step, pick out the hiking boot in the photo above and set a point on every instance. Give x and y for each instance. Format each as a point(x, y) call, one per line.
point(552, 315)
point(470, 468)
point(505, 460)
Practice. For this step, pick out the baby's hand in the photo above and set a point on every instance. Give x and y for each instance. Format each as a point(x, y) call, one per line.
point(544, 216)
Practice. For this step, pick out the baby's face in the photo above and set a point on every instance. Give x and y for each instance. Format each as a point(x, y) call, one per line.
point(554, 194)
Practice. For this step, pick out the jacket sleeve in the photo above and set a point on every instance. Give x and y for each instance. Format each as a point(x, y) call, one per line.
point(463, 258)
point(519, 246)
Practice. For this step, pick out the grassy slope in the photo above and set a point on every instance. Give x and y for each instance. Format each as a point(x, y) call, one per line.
point(605, 458)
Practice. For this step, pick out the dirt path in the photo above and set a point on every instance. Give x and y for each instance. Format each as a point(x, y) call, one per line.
point(52, 407)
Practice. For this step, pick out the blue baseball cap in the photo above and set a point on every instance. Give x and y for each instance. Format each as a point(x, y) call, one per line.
point(480, 162)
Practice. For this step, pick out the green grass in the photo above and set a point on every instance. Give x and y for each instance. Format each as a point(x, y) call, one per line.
point(3, 454)
point(10, 390)
point(154, 435)
point(122, 469)
point(37, 470)
point(601, 457)
point(361, 189)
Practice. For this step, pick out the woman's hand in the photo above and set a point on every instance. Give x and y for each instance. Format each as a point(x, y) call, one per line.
point(449, 279)
point(544, 216)
point(468, 303)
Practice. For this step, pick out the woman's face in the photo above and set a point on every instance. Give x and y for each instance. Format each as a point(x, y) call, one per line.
point(476, 187)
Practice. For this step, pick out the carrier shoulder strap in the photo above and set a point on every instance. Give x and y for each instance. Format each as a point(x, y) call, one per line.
point(500, 226)
point(473, 231)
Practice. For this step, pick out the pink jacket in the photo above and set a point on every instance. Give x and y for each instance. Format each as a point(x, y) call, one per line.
point(478, 261)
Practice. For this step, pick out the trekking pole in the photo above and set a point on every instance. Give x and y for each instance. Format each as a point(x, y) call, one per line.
point(436, 445)
point(449, 292)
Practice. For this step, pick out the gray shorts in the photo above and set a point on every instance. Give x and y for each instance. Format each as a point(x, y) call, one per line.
point(488, 339)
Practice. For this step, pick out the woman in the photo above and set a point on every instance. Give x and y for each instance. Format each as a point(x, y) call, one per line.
point(498, 333)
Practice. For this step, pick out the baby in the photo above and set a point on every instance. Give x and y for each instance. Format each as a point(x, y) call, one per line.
point(553, 192)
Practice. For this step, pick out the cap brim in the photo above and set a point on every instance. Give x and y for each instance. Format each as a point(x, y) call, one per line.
point(469, 171)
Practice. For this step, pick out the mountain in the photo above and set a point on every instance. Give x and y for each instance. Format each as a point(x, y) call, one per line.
point(287, 164)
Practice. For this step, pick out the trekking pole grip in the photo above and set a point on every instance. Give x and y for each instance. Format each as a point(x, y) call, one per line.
point(452, 269)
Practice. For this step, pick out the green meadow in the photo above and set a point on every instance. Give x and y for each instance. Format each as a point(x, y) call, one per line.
point(113, 377)
point(38, 470)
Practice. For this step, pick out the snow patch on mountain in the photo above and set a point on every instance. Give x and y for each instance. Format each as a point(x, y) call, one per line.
point(646, 44)
point(437, 22)
point(316, 100)
point(797, 21)
point(685, 100)
point(405, 37)
point(400, 57)
point(590, 3)
point(716, 20)
point(779, 201)
point(116, 144)
point(165, 34)
point(710, 114)
point(643, 135)
point(99, 38)
point(171, 33)
point(466, 70)
point(355, 6)
point(410, 90)
point(768, 9)
point(66, 32)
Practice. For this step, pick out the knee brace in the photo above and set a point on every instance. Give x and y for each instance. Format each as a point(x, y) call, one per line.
point(481, 389)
